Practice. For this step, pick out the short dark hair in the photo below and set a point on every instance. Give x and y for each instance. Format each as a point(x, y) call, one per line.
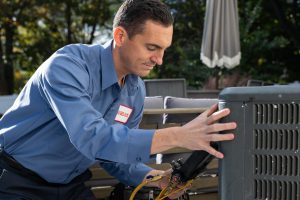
point(133, 14)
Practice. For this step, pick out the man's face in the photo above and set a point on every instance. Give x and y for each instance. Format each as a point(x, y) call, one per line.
point(143, 51)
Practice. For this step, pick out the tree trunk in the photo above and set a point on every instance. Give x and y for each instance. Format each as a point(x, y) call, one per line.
point(8, 65)
point(69, 21)
point(100, 5)
point(2, 76)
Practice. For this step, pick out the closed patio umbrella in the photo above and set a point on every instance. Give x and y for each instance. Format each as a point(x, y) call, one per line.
point(221, 40)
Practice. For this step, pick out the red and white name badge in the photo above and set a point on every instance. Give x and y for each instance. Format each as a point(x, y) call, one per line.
point(123, 114)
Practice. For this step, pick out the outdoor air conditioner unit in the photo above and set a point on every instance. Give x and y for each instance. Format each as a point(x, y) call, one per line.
point(263, 161)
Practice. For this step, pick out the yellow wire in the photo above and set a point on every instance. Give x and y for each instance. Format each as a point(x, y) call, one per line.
point(175, 191)
point(145, 182)
point(162, 194)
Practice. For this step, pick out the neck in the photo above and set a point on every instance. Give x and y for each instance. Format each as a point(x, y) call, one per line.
point(122, 81)
point(118, 65)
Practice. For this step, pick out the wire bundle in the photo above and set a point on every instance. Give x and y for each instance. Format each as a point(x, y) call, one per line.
point(168, 191)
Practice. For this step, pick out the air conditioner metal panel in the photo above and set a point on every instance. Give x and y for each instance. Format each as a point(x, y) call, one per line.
point(263, 161)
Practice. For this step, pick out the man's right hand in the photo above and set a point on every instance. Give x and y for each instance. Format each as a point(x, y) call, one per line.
point(196, 134)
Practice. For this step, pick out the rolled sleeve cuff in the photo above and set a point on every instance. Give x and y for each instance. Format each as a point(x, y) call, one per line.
point(129, 174)
point(138, 173)
point(141, 141)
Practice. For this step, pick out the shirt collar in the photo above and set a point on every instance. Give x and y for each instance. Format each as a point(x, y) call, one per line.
point(108, 72)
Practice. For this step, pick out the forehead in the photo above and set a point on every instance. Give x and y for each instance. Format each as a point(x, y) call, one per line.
point(155, 33)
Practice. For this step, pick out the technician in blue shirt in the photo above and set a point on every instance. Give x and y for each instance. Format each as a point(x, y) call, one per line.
point(84, 105)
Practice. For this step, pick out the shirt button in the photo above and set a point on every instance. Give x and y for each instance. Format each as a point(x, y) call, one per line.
point(76, 171)
point(139, 159)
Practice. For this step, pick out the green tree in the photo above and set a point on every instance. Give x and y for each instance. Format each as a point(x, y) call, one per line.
point(182, 59)
point(32, 30)
point(270, 37)
point(269, 34)
point(13, 13)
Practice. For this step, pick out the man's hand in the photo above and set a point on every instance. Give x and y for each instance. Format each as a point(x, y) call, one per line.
point(203, 130)
point(164, 182)
point(196, 134)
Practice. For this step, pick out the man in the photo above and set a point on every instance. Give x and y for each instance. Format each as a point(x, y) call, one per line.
point(84, 104)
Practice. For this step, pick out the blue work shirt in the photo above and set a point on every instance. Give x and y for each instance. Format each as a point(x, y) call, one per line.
point(63, 120)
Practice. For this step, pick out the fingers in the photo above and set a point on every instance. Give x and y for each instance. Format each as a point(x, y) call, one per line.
point(167, 172)
point(211, 110)
point(208, 129)
point(219, 137)
point(214, 152)
point(217, 115)
point(221, 127)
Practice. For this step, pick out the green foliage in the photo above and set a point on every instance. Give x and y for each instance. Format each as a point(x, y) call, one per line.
point(38, 28)
point(59, 23)
point(269, 51)
point(266, 44)
point(31, 30)
point(182, 59)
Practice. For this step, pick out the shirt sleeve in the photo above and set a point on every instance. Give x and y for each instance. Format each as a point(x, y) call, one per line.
point(64, 83)
point(129, 174)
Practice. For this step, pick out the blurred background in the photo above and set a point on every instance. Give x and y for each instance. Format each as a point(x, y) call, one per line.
point(31, 30)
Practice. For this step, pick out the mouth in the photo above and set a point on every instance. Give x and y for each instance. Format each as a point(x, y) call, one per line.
point(149, 66)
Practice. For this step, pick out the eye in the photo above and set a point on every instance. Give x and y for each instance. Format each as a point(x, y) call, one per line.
point(151, 48)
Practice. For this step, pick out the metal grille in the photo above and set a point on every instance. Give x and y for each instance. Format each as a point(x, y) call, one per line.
point(276, 165)
point(277, 139)
point(279, 190)
point(276, 146)
point(277, 113)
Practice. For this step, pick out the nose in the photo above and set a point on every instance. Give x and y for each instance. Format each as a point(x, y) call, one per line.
point(158, 58)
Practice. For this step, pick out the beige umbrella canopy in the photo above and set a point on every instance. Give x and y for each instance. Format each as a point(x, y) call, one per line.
point(221, 40)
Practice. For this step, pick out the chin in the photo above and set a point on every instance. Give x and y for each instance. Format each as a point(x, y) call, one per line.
point(143, 74)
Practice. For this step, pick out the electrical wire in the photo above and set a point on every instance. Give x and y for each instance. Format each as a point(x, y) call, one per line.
point(145, 182)
point(166, 192)
point(161, 197)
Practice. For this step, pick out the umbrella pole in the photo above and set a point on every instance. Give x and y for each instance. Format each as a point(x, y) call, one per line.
point(217, 75)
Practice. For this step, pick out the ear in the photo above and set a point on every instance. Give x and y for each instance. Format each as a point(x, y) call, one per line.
point(119, 35)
